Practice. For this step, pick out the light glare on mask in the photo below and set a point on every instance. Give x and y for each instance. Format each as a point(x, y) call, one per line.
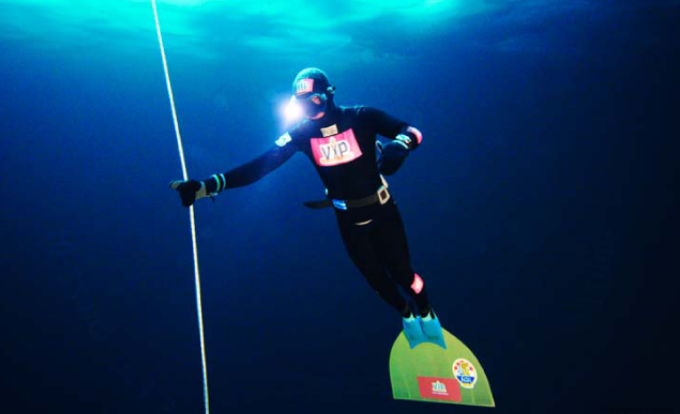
point(292, 111)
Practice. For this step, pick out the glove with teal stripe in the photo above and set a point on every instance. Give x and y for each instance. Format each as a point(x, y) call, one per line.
point(192, 190)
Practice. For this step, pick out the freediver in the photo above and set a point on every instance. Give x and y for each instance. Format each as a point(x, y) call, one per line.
point(341, 143)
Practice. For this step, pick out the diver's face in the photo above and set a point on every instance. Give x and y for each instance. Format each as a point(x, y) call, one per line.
point(314, 106)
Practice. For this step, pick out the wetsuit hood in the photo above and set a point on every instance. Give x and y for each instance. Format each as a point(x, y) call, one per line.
point(314, 93)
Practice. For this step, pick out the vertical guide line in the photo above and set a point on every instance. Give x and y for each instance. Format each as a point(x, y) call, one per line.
point(199, 305)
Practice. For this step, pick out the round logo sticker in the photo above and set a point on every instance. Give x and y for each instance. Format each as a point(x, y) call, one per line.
point(465, 373)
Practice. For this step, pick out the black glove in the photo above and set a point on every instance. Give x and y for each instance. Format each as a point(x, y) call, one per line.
point(189, 191)
point(392, 156)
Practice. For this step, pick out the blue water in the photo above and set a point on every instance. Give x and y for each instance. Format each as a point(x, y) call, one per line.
point(541, 209)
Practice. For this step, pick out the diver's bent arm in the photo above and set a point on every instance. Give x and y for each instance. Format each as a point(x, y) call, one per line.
point(410, 136)
point(392, 128)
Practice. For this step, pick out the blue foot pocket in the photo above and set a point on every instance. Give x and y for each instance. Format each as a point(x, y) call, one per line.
point(413, 332)
point(432, 330)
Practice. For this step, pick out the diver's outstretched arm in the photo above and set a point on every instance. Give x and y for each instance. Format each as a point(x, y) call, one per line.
point(248, 173)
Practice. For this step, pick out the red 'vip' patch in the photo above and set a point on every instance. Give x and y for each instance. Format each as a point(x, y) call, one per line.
point(336, 149)
point(439, 388)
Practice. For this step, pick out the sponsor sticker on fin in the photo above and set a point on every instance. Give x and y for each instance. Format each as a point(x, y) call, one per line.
point(439, 388)
point(465, 373)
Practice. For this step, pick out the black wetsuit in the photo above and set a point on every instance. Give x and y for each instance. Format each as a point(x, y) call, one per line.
point(341, 146)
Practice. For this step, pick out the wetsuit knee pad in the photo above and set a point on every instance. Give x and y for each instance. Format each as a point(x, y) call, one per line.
point(418, 284)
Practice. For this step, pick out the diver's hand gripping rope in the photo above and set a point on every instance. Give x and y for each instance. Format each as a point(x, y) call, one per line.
point(190, 191)
point(199, 305)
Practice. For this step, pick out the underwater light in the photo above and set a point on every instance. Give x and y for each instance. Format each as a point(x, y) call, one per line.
point(292, 110)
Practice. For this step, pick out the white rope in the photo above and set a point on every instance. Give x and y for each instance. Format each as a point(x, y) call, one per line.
point(197, 277)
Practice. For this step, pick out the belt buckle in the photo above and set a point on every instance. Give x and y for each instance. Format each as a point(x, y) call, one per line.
point(383, 195)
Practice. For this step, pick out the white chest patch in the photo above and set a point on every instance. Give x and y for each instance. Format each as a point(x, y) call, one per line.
point(331, 130)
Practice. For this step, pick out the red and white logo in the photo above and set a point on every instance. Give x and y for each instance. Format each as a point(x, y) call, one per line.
point(439, 389)
point(336, 149)
point(304, 86)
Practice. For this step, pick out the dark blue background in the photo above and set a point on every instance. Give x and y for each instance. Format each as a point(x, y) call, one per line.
point(541, 211)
